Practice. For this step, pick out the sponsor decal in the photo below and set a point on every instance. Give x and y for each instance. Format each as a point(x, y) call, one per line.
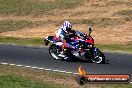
point(83, 78)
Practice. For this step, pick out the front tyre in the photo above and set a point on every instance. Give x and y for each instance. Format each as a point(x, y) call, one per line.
point(99, 57)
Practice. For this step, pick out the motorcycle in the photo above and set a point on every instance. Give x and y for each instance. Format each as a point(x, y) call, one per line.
point(86, 49)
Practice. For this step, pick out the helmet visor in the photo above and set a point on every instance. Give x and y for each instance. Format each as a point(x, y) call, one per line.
point(68, 29)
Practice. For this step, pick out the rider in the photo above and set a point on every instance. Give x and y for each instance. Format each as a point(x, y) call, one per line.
point(60, 36)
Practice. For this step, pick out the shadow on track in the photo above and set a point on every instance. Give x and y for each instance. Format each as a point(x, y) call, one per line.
point(84, 61)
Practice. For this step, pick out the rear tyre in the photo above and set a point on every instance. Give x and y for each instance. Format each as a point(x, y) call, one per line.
point(53, 50)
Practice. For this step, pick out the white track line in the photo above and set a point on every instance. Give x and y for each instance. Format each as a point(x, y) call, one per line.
point(69, 72)
point(27, 66)
point(75, 73)
point(41, 68)
point(62, 71)
point(19, 65)
point(34, 67)
point(12, 64)
point(56, 70)
point(4, 63)
point(48, 69)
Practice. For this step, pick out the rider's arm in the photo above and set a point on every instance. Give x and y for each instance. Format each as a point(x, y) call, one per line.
point(62, 36)
point(80, 34)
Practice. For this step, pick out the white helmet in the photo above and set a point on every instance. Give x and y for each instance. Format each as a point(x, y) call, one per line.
point(66, 26)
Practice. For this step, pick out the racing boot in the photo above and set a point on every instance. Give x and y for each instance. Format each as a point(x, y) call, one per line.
point(63, 55)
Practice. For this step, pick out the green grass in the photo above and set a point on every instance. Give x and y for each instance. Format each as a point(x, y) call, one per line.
point(39, 42)
point(14, 81)
point(34, 7)
point(115, 47)
point(21, 41)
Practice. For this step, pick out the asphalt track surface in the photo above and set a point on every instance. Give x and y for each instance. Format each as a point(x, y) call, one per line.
point(119, 63)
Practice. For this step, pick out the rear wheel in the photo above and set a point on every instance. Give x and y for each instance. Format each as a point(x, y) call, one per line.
point(53, 50)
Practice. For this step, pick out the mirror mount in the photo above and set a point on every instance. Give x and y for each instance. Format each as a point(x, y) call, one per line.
point(90, 30)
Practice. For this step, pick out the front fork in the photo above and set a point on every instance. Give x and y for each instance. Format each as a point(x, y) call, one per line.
point(95, 51)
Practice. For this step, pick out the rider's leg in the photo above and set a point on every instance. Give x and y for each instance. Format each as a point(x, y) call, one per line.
point(65, 48)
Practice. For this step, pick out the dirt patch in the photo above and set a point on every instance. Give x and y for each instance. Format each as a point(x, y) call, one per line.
point(46, 0)
point(38, 32)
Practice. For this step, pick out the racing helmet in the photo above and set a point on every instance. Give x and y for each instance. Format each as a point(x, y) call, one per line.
point(66, 27)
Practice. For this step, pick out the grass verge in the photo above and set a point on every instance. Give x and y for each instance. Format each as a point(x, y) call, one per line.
point(40, 42)
point(20, 77)
point(21, 41)
point(115, 47)
point(14, 81)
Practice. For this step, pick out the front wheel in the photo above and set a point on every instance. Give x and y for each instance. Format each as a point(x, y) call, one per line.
point(99, 57)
